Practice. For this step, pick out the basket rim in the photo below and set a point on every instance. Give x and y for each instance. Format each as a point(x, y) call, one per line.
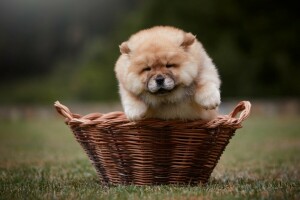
point(231, 120)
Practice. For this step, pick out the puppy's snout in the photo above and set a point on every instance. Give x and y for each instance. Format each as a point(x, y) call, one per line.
point(160, 80)
point(160, 83)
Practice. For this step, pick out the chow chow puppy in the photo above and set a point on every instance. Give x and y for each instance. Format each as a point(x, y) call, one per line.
point(165, 73)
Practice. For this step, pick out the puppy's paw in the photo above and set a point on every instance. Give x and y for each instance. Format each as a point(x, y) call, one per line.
point(135, 112)
point(208, 97)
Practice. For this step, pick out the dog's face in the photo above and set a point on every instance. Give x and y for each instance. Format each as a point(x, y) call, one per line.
point(159, 71)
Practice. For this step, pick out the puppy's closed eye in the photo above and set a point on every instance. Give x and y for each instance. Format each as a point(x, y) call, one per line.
point(170, 65)
point(146, 69)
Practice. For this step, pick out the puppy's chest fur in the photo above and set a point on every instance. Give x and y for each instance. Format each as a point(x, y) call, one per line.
point(181, 110)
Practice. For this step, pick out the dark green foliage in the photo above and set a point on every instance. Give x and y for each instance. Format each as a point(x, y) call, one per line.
point(253, 43)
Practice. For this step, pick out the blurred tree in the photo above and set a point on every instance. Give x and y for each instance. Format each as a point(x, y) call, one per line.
point(253, 43)
point(34, 34)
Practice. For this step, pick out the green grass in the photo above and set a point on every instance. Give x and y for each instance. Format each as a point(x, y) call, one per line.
point(40, 159)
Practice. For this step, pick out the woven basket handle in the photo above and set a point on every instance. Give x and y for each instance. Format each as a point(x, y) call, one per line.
point(63, 110)
point(243, 107)
point(72, 118)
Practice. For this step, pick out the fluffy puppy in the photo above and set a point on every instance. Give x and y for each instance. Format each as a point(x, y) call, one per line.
point(165, 73)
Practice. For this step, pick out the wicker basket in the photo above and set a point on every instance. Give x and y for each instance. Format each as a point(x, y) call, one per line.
point(153, 151)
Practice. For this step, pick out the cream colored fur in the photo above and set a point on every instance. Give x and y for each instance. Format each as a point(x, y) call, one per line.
point(191, 79)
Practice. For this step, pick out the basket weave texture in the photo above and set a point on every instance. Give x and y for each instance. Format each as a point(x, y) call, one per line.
point(153, 151)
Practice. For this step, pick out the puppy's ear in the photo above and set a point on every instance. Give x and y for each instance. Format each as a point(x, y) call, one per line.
point(124, 49)
point(188, 40)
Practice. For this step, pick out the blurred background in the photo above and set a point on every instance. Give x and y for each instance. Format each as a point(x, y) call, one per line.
point(66, 49)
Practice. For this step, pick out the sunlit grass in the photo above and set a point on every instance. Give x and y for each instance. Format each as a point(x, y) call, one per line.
point(41, 159)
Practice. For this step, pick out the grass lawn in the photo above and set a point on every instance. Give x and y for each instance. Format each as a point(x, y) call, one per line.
point(40, 159)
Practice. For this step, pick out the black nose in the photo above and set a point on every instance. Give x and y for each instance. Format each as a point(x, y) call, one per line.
point(159, 80)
